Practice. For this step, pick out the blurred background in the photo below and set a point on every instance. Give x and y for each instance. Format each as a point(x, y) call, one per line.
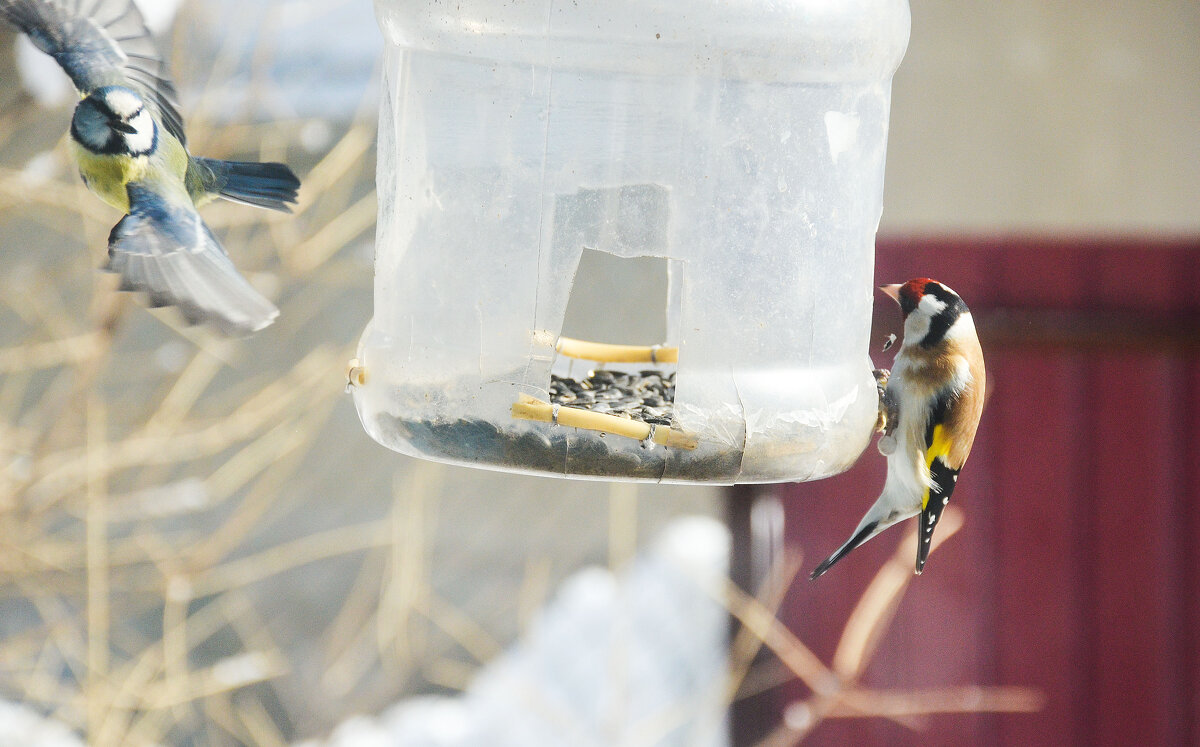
point(199, 544)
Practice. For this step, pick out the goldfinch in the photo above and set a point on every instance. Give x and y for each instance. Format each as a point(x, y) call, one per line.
point(931, 405)
point(129, 143)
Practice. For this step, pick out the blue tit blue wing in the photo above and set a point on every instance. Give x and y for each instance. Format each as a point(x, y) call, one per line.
point(100, 43)
point(163, 248)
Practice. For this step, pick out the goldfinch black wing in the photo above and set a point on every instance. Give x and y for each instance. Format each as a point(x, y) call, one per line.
point(100, 43)
point(163, 249)
point(943, 475)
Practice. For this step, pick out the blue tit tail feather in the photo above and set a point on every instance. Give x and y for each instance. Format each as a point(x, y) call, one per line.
point(266, 185)
point(163, 248)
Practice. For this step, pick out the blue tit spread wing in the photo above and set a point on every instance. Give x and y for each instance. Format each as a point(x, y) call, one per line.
point(940, 450)
point(100, 43)
point(165, 250)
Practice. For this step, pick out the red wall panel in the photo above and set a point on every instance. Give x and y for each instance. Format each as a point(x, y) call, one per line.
point(1076, 571)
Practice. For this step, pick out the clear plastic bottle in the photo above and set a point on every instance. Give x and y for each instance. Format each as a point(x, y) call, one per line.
point(742, 140)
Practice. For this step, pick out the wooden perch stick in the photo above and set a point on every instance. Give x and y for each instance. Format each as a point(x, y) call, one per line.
point(531, 408)
point(602, 352)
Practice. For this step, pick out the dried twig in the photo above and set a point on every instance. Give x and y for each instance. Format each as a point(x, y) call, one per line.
point(838, 695)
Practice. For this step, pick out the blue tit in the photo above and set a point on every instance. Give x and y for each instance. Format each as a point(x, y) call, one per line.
point(128, 139)
point(932, 403)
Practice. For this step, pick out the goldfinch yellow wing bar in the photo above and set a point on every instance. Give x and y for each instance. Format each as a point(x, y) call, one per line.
point(532, 408)
point(603, 352)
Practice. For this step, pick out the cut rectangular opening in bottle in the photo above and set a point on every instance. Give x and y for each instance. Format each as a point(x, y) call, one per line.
point(612, 373)
point(618, 300)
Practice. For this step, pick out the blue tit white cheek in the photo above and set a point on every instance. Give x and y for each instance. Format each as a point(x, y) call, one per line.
point(141, 141)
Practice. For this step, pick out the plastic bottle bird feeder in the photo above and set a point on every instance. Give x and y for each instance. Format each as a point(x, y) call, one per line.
point(743, 142)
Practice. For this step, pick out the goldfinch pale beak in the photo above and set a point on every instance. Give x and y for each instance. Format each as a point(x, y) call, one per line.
point(892, 290)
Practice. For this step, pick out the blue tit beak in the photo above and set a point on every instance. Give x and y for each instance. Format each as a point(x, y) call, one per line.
point(120, 126)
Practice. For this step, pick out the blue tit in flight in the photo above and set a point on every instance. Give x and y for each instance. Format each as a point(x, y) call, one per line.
point(932, 404)
point(128, 140)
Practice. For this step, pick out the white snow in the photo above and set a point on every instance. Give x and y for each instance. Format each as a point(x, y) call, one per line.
point(607, 658)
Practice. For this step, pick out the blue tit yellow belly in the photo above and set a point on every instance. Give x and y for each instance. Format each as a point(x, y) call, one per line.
point(108, 174)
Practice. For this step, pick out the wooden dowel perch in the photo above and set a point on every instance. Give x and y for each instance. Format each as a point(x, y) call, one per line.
point(532, 408)
point(603, 352)
point(356, 374)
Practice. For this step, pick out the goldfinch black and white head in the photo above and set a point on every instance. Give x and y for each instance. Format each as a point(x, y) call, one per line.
point(936, 389)
point(930, 310)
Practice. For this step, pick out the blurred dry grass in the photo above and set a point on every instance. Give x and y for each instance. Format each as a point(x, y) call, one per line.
point(143, 463)
point(198, 544)
point(154, 531)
